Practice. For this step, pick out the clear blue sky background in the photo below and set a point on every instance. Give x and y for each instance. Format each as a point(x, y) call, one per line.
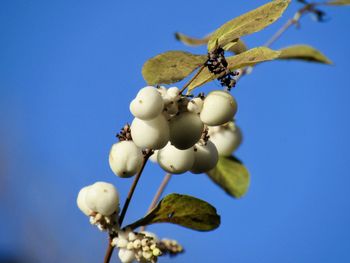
point(68, 70)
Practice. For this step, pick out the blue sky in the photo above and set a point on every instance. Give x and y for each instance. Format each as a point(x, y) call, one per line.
point(68, 70)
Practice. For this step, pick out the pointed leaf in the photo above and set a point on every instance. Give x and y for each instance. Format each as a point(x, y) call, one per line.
point(171, 67)
point(191, 41)
point(247, 58)
point(183, 210)
point(248, 23)
point(231, 175)
point(339, 2)
point(304, 52)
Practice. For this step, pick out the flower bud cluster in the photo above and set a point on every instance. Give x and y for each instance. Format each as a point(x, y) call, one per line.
point(100, 201)
point(173, 125)
point(142, 246)
point(170, 247)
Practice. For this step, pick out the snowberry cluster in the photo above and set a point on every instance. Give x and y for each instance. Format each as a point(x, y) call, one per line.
point(140, 246)
point(176, 127)
point(100, 201)
point(183, 134)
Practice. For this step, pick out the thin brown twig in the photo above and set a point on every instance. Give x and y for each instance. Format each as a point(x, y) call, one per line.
point(293, 21)
point(109, 251)
point(110, 248)
point(158, 194)
point(133, 187)
point(193, 78)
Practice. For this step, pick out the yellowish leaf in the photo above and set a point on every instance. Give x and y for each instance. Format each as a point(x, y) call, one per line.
point(248, 23)
point(339, 2)
point(304, 52)
point(191, 41)
point(171, 67)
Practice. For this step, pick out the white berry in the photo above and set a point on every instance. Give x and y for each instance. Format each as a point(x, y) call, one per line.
point(195, 105)
point(151, 134)
point(148, 104)
point(219, 107)
point(125, 159)
point(205, 157)
point(82, 203)
point(227, 139)
point(102, 198)
point(173, 93)
point(174, 160)
point(126, 255)
point(185, 130)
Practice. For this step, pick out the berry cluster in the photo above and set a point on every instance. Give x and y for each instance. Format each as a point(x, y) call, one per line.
point(181, 134)
point(175, 127)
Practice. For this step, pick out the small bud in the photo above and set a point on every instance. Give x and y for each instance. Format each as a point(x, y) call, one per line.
point(146, 248)
point(144, 242)
point(156, 252)
point(137, 243)
point(132, 236)
point(147, 255)
point(130, 246)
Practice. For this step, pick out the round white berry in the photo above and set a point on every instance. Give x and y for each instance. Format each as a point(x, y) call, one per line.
point(151, 134)
point(82, 203)
point(126, 255)
point(125, 159)
point(102, 198)
point(219, 107)
point(148, 104)
point(195, 105)
point(227, 139)
point(175, 161)
point(205, 157)
point(185, 130)
point(173, 93)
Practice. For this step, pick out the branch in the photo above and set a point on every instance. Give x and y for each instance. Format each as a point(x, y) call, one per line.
point(158, 194)
point(110, 248)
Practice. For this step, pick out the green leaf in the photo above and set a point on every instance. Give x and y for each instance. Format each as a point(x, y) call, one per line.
point(304, 52)
point(171, 67)
point(248, 23)
point(339, 2)
point(247, 58)
point(191, 41)
point(231, 175)
point(183, 210)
